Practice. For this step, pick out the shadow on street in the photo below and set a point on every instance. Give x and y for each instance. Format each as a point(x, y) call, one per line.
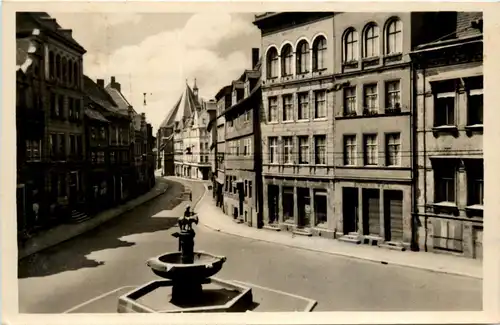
point(105, 236)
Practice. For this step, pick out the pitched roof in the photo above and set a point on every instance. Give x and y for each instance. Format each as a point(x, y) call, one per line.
point(120, 100)
point(95, 115)
point(184, 108)
point(99, 95)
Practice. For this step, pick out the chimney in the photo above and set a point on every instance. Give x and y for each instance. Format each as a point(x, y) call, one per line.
point(100, 82)
point(114, 84)
point(130, 112)
point(143, 121)
point(255, 57)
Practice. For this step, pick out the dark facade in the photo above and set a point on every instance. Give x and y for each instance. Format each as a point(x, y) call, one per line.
point(243, 161)
point(55, 183)
point(448, 101)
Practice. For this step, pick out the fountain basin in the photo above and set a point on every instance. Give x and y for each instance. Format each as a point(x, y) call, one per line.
point(169, 266)
point(217, 296)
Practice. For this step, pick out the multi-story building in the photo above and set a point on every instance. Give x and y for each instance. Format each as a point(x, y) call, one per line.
point(449, 123)
point(373, 124)
point(97, 140)
point(223, 100)
point(139, 147)
point(122, 132)
point(243, 158)
point(57, 65)
point(189, 143)
point(30, 129)
point(297, 120)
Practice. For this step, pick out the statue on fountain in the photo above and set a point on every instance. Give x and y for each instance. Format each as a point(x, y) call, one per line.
point(186, 235)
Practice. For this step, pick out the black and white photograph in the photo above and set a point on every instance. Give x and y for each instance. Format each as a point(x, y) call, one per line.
point(215, 161)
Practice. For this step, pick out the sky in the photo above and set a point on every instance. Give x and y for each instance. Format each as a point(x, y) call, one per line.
point(155, 53)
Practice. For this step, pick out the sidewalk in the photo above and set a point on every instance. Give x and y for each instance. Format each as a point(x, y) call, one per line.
point(64, 232)
point(212, 217)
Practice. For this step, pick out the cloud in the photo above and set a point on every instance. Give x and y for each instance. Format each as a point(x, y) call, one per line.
point(160, 64)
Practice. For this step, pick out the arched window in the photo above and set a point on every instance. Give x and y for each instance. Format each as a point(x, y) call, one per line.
point(351, 47)
point(64, 70)
point(319, 53)
point(272, 63)
point(303, 57)
point(70, 72)
point(76, 73)
point(371, 41)
point(58, 66)
point(51, 64)
point(394, 37)
point(286, 60)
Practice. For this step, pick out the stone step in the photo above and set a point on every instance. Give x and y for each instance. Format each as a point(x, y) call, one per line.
point(393, 246)
point(302, 232)
point(354, 239)
point(372, 240)
point(272, 227)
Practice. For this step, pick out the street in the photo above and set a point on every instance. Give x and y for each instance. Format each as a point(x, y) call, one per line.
point(114, 256)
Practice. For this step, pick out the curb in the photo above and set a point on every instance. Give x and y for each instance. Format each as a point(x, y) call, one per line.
point(373, 260)
point(83, 228)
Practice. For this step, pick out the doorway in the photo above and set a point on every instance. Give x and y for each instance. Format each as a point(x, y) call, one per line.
point(273, 202)
point(350, 203)
point(393, 215)
point(371, 212)
point(73, 188)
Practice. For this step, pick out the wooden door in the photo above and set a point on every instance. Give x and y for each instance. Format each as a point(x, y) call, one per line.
point(393, 215)
point(371, 212)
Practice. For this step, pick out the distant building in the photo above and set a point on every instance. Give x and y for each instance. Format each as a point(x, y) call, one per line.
point(183, 137)
point(449, 123)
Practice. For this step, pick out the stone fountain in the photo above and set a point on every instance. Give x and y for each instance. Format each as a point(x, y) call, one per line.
point(188, 285)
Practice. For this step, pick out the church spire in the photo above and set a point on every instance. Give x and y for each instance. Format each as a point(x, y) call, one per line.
point(195, 89)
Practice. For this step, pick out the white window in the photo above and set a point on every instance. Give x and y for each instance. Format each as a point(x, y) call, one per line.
point(319, 53)
point(303, 150)
point(350, 150)
point(371, 98)
point(475, 102)
point(273, 109)
point(350, 101)
point(303, 57)
point(320, 149)
point(393, 95)
point(351, 48)
point(370, 149)
point(320, 104)
point(272, 63)
point(33, 149)
point(371, 41)
point(287, 150)
point(273, 150)
point(286, 63)
point(444, 109)
point(395, 37)
point(287, 108)
point(303, 109)
point(393, 149)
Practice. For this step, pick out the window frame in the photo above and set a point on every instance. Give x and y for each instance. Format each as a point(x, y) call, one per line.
point(370, 149)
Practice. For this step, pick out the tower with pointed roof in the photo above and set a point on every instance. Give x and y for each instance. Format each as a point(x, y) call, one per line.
point(183, 148)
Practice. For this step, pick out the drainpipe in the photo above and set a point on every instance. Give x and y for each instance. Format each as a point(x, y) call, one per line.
point(414, 151)
point(424, 155)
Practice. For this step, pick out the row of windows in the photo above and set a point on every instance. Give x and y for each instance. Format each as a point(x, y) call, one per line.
point(370, 152)
point(72, 111)
point(303, 62)
point(447, 95)
point(99, 157)
point(370, 47)
point(445, 182)
point(58, 144)
point(392, 41)
point(303, 201)
point(290, 154)
point(303, 107)
point(231, 186)
point(299, 152)
point(371, 99)
point(242, 147)
point(63, 69)
point(240, 120)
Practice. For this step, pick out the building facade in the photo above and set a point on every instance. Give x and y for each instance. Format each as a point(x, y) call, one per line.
point(243, 163)
point(449, 105)
point(223, 102)
point(297, 120)
point(57, 64)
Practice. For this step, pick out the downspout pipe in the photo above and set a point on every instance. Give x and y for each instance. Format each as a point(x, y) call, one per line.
point(414, 161)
